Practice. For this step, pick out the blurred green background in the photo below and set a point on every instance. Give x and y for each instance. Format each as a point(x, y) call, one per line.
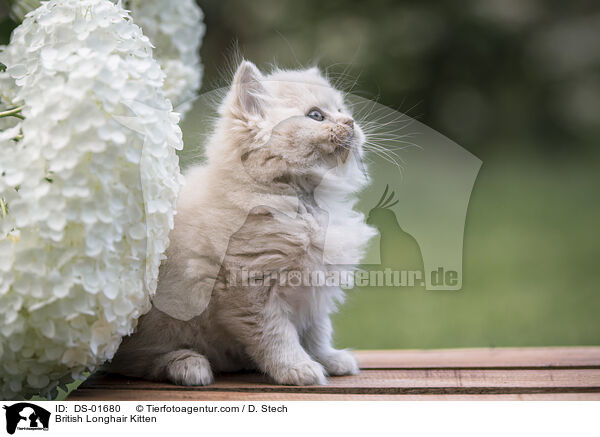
point(517, 83)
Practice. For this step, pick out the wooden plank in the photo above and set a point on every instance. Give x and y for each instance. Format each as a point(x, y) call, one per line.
point(382, 381)
point(175, 395)
point(510, 373)
point(585, 356)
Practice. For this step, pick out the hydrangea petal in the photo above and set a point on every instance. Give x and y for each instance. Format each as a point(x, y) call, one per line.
point(77, 265)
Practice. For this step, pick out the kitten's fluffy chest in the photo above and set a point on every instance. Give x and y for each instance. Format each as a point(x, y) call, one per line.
point(311, 239)
point(274, 241)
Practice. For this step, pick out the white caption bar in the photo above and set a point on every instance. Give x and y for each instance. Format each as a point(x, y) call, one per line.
point(284, 419)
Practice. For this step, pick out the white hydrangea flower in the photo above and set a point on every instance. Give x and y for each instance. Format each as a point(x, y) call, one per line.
point(89, 190)
point(175, 28)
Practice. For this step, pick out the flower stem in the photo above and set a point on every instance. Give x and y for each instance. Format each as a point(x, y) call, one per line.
point(14, 112)
point(3, 207)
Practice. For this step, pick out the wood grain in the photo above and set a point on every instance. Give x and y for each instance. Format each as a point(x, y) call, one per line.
point(512, 373)
point(174, 395)
point(585, 356)
point(373, 380)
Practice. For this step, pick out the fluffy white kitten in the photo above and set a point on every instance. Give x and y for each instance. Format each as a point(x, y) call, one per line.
point(274, 195)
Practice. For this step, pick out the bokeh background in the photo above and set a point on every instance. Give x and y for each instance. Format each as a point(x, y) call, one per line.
point(515, 82)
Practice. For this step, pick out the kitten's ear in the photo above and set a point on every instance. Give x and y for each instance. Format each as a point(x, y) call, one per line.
point(249, 93)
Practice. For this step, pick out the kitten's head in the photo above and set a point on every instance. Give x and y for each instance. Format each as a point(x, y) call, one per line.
point(286, 123)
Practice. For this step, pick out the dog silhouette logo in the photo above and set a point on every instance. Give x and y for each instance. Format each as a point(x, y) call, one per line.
point(26, 416)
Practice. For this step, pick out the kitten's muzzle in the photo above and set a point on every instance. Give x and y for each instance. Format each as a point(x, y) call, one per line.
point(341, 136)
point(343, 132)
point(349, 122)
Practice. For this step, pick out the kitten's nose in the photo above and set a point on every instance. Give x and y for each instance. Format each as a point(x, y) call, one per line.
point(348, 122)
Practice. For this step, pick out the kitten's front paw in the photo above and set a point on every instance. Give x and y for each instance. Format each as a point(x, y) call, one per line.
point(303, 373)
point(190, 370)
point(341, 363)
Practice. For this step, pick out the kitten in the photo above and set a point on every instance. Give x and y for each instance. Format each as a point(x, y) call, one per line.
point(274, 195)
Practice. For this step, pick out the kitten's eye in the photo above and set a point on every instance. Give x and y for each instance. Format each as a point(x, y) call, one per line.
point(316, 114)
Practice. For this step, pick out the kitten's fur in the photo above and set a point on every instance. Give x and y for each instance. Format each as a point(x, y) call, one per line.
point(275, 187)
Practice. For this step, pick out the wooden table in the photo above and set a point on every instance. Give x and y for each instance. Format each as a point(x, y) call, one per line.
point(554, 373)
